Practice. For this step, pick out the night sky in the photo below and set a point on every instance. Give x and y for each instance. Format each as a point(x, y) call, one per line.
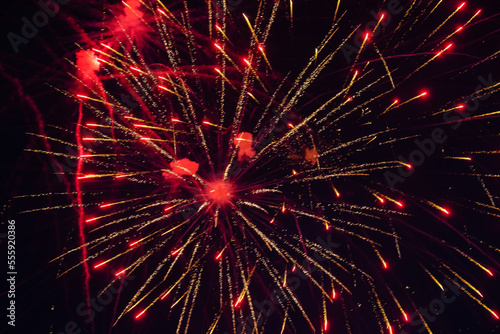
point(31, 102)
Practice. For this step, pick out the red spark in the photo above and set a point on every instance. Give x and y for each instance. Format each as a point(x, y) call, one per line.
point(91, 220)
point(183, 167)
point(91, 124)
point(99, 265)
point(238, 302)
point(102, 206)
point(244, 142)
point(140, 314)
point(120, 273)
point(461, 6)
point(132, 244)
point(165, 295)
point(406, 317)
point(175, 120)
point(495, 315)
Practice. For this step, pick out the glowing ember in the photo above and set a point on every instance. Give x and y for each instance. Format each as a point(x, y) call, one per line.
point(219, 192)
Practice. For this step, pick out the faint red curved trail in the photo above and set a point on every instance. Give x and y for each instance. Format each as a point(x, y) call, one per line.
point(81, 214)
point(41, 126)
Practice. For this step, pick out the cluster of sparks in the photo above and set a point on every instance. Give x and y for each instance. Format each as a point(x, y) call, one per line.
point(189, 175)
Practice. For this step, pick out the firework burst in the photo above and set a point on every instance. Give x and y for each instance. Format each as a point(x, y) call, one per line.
point(220, 182)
